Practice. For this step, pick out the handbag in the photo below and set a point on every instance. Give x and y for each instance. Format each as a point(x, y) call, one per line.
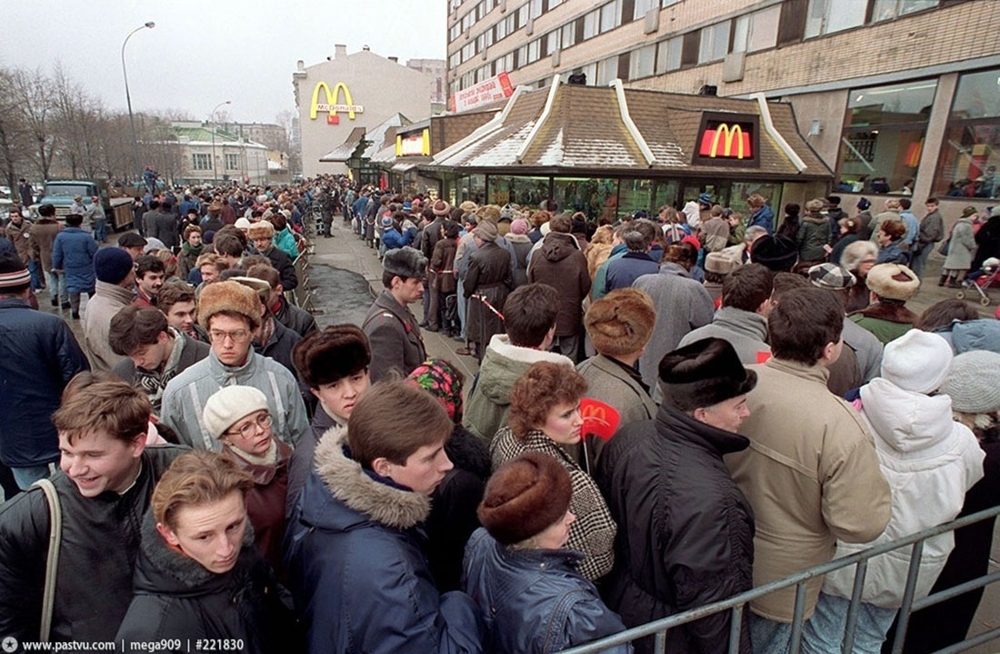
point(52, 563)
point(943, 248)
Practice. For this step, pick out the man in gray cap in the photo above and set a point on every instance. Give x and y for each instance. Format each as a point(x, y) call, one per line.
point(393, 332)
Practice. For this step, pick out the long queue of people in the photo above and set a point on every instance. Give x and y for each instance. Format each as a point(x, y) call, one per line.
point(239, 475)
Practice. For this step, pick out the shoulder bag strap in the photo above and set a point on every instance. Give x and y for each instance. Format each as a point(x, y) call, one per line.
point(52, 564)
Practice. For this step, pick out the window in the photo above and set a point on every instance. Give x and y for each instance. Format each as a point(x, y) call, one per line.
point(607, 71)
point(202, 161)
point(554, 3)
point(232, 161)
point(881, 145)
point(829, 16)
point(970, 155)
point(611, 16)
point(455, 31)
point(568, 38)
point(522, 17)
point(482, 73)
point(534, 51)
point(500, 31)
point(889, 9)
point(642, 62)
point(640, 8)
point(667, 3)
point(757, 31)
point(714, 42)
point(536, 8)
point(552, 41)
point(455, 59)
point(504, 64)
point(668, 55)
point(591, 24)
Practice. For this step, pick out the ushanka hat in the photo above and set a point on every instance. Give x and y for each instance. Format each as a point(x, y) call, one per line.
point(703, 374)
point(892, 281)
point(524, 497)
point(441, 208)
point(13, 274)
point(621, 322)
point(405, 262)
point(229, 296)
point(330, 355)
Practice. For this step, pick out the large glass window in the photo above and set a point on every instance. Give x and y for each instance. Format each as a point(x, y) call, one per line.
point(595, 197)
point(525, 191)
point(552, 41)
point(829, 16)
point(882, 142)
point(970, 155)
point(889, 9)
point(757, 31)
point(641, 63)
point(647, 195)
point(714, 42)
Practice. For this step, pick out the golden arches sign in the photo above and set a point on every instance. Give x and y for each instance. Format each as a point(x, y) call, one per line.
point(728, 136)
point(331, 106)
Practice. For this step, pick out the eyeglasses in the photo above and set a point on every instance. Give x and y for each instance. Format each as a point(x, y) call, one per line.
point(248, 429)
point(237, 336)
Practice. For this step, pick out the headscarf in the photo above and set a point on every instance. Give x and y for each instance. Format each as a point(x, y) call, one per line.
point(442, 380)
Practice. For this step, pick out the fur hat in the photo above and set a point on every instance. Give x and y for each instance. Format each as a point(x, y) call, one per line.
point(486, 231)
point(621, 322)
point(263, 229)
point(229, 405)
point(405, 262)
point(917, 361)
point(703, 374)
point(974, 382)
point(330, 355)
point(441, 208)
point(524, 497)
point(112, 265)
point(779, 253)
point(719, 263)
point(258, 286)
point(228, 296)
point(893, 281)
point(831, 276)
point(468, 206)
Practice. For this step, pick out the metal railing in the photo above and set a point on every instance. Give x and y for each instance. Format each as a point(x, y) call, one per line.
point(658, 629)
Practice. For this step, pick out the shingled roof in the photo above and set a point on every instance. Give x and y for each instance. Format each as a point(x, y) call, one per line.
point(585, 132)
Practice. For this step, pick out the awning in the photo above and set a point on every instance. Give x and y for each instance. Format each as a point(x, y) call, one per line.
point(403, 167)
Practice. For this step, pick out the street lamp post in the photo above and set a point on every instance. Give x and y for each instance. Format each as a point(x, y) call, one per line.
point(211, 124)
point(128, 98)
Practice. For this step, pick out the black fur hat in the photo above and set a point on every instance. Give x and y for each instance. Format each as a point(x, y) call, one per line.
point(332, 354)
point(703, 374)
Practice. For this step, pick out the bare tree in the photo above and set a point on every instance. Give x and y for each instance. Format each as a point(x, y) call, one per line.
point(32, 91)
point(13, 134)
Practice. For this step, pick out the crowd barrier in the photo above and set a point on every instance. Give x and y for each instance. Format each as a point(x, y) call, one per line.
point(735, 604)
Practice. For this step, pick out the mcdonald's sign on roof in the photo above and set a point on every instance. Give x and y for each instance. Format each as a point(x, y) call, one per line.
point(728, 140)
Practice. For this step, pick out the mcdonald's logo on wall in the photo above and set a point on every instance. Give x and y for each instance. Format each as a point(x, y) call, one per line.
point(331, 107)
point(727, 139)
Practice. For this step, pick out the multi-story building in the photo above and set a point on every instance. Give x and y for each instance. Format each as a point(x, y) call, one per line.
point(203, 153)
point(437, 68)
point(896, 96)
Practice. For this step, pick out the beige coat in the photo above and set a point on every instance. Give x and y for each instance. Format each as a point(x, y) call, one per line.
point(811, 475)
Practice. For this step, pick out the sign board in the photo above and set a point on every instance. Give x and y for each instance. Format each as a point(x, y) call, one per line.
point(414, 145)
point(331, 106)
point(490, 90)
point(727, 140)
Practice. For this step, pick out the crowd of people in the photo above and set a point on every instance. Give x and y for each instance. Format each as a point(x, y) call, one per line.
point(669, 410)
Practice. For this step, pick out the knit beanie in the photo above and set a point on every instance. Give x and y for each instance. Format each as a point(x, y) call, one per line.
point(524, 497)
point(444, 382)
point(519, 226)
point(974, 382)
point(111, 265)
point(917, 361)
point(229, 405)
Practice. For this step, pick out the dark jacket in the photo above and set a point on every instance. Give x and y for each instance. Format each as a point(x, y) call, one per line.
point(193, 352)
point(357, 566)
point(489, 277)
point(73, 252)
point(814, 233)
point(988, 242)
point(300, 464)
point(279, 346)
point(100, 542)
point(685, 536)
point(283, 263)
point(430, 236)
point(443, 266)
point(394, 338)
point(164, 228)
point(298, 320)
point(622, 272)
point(561, 265)
point(535, 601)
point(892, 253)
point(38, 357)
point(177, 600)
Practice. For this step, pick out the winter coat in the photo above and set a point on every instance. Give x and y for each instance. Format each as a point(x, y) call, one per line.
point(300, 464)
point(192, 352)
point(392, 239)
point(715, 234)
point(43, 236)
point(38, 357)
point(443, 265)
point(931, 229)
point(631, 266)
point(358, 570)
point(279, 346)
point(298, 320)
point(522, 246)
point(185, 353)
point(563, 267)
point(178, 600)
point(489, 276)
point(876, 223)
point(283, 264)
point(812, 477)
point(893, 253)
point(285, 241)
point(681, 304)
point(746, 331)
point(488, 404)
point(930, 461)
point(394, 338)
point(887, 321)
point(107, 301)
point(73, 252)
point(596, 254)
point(814, 233)
point(867, 349)
point(534, 600)
point(164, 228)
point(20, 236)
point(610, 382)
point(593, 531)
point(185, 396)
point(100, 542)
point(453, 507)
point(187, 259)
point(764, 217)
point(686, 536)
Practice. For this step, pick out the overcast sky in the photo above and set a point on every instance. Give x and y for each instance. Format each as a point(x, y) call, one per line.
point(203, 52)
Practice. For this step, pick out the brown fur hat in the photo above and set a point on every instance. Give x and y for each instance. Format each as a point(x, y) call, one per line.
point(228, 296)
point(330, 355)
point(262, 229)
point(621, 322)
point(524, 497)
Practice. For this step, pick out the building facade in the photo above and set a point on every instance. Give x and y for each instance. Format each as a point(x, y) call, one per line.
point(203, 153)
point(348, 91)
point(896, 96)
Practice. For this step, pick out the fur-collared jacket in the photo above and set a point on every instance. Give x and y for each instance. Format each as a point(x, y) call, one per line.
point(176, 599)
point(886, 320)
point(357, 567)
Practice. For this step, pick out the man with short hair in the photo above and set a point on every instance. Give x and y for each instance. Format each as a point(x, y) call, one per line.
point(298, 320)
point(132, 243)
point(392, 330)
point(115, 289)
point(811, 473)
point(98, 219)
point(530, 318)
point(165, 227)
point(742, 319)
point(38, 357)
point(149, 272)
point(177, 302)
point(910, 221)
point(228, 248)
point(156, 352)
point(104, 488)
point(931, 231)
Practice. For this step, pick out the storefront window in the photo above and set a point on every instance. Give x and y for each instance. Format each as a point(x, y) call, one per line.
point(595, 197)
point(647, 195)
point(970, 155)
point(884, 137)
point(523, 191)
point(740, 191)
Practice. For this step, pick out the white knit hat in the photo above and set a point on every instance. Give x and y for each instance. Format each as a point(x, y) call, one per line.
point(917, 361)
point(228, 405)
point(974, 382)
